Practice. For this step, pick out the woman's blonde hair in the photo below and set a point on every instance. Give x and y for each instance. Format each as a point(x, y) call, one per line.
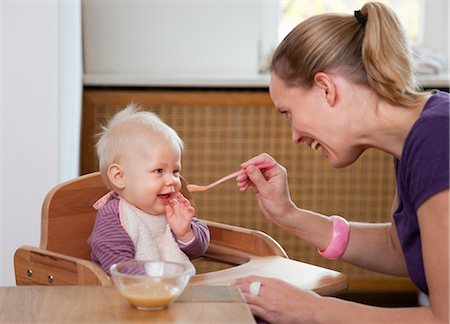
point(373, 53)
point(129, 125)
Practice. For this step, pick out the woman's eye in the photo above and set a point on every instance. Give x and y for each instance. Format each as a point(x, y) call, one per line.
point(287, 115)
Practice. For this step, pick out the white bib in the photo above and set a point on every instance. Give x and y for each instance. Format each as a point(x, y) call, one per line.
point(151, 235)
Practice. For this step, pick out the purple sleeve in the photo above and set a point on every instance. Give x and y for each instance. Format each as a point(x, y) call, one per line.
point(200, 243)
point(109, 241)
point(428, 159)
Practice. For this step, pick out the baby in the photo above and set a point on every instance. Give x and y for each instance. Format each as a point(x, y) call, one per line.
point(144, 217)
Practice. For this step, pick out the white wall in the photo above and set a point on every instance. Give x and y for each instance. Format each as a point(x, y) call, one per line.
point(71, 88)
point(35, 85)
point(197, 43)
point(437, 28)
point(131, 42)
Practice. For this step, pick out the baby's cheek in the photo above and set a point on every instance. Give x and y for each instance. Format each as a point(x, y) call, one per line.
point(178, 186)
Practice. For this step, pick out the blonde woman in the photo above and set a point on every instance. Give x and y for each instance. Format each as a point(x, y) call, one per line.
point(346, 84)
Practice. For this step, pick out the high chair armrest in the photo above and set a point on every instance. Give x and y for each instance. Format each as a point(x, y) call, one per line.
point(36, 266)
point(302, 275)
point(237, 245)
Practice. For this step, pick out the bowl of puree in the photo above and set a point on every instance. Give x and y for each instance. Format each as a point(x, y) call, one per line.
point(150, 285)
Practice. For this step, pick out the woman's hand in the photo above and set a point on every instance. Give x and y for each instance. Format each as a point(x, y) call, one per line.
point(280, 302)
point(179, 214)
point(270, 186)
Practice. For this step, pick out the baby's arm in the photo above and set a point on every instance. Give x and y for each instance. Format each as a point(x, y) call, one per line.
point(191, 234)
point(109, 241)
point(180, 213)
point(199, 244)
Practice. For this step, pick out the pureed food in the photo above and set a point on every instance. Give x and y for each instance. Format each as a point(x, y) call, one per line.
point(151, 296)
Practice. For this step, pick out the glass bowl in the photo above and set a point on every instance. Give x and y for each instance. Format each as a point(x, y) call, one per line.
point(150, 285)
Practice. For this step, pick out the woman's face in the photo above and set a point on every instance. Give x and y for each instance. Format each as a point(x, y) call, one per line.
point(324, 127)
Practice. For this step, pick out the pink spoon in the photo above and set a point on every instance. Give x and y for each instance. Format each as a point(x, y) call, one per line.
point(197, 188)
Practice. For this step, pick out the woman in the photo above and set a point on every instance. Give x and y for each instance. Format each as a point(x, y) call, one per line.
point(345, 82)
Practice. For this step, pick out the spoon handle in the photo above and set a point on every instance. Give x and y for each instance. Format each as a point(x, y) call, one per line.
point(263, 165)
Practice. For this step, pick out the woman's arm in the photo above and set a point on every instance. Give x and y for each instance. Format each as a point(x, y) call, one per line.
point(388, 247)
point(376, 247)
point(280, 302)
point(372, 246)
point(433, 216)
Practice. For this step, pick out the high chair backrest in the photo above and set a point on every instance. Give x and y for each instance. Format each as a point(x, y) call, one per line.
point(68, 216)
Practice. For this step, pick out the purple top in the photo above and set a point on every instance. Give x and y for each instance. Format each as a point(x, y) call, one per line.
point(422, 172)
point(110, 243)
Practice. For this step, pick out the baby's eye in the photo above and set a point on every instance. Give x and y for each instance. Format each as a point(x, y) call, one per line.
point(159, 171)
point(176, 172)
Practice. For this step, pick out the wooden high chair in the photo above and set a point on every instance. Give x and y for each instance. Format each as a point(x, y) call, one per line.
point(67, 221)
point(68, 217)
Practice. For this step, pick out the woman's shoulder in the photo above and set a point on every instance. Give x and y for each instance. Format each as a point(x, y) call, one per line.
point(428, 139)
point(438, 105)
point(434, 119)
point(424, 163)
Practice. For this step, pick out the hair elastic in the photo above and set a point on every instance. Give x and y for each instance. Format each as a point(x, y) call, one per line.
point(339, 241)
point(360, 17)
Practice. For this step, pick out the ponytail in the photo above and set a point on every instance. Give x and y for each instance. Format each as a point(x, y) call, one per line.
point(386, 56)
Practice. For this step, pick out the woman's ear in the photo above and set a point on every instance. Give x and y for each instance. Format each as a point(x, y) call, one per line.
point(327, 86)
point(116, 176)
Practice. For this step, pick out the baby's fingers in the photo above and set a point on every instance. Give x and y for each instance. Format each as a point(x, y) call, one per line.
point(185, 203)
point(183, 200)
point(169, 211)
point(182, 205)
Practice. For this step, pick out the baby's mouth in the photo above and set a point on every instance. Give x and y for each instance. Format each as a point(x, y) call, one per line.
point(165, 197)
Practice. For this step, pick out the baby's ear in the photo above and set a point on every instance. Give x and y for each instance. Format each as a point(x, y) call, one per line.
point(116, 175)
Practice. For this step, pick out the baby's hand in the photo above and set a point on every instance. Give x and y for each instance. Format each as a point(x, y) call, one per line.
point(179, 213)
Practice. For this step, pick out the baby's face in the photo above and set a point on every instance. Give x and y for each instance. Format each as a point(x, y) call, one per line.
point(152, 175)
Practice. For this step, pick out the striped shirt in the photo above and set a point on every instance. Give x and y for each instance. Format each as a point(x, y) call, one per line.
point(110, 243)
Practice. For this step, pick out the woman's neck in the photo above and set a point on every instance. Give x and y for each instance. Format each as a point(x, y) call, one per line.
point(393, 124)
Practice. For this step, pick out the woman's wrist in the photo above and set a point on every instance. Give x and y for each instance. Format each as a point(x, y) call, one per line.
point(339, 239)
point(288, 218)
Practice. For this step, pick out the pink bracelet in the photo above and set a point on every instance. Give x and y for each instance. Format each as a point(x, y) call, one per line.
point(339, 241)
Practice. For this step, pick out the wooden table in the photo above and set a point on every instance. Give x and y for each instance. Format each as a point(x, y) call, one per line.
point(209, 298)
point(97, 304)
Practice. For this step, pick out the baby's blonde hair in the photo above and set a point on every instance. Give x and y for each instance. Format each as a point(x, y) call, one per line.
point(128, 125)
point(375, 54)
